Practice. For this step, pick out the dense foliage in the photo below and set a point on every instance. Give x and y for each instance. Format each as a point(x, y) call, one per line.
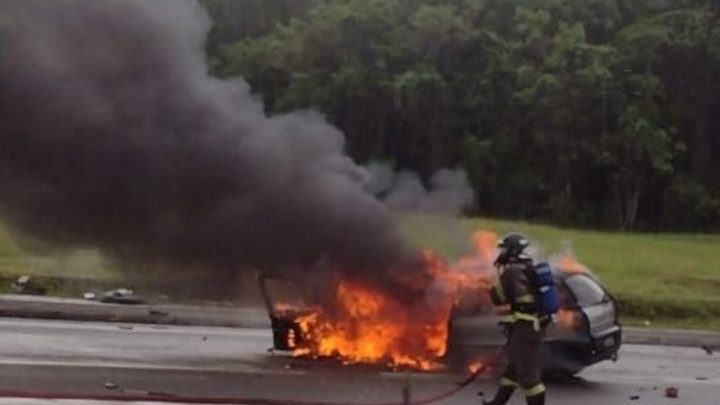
point(601, 113)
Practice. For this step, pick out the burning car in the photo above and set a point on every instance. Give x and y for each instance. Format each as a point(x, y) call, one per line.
point(586, 330)
point(359, 325)
point(451, 324)
point(596, 333)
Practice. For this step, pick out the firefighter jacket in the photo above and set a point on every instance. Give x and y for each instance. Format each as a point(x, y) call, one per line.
point(515, 288)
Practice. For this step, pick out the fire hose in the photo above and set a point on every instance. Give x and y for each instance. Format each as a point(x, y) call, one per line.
point(170, 398)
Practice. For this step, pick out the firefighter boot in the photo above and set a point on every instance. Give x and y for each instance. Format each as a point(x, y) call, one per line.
point(538, 399)
point(502, 396)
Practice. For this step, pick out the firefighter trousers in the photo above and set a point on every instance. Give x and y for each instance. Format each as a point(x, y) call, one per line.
point(523, 355)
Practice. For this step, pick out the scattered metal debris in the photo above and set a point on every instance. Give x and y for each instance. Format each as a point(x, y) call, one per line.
point(111, 385)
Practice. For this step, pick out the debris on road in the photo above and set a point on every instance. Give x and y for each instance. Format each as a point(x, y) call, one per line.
point(111, 385)
point(121, 296)
point(709, 350)
point(671, 392)
point(125, 327)
point(27, 286)
point(635, 397)
point(156, 312)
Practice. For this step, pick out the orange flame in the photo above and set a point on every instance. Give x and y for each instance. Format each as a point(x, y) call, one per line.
point(362, 324)
point(568, 263)
point(485, 244)
point(365, 325)
point(567, 319)
point(371, 327)
point(475, 366)
point(283, 307)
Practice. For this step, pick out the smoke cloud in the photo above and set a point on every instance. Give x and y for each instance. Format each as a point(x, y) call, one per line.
point(449, 191)
point(114, 135)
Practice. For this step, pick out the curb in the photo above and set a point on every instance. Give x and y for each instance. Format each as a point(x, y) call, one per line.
point(165, 314)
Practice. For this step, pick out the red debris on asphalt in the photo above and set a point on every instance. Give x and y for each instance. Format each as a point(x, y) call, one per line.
point(671, 392)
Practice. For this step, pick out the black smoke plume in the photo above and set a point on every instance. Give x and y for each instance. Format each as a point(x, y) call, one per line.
point(113, 134)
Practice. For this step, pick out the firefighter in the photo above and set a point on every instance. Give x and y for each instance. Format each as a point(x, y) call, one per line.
point(522, 325)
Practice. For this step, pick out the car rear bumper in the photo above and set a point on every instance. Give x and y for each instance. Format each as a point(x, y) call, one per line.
point(605, 346)
point(571, 355)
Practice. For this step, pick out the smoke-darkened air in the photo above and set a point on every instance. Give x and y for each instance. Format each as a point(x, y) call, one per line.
point(114, 135)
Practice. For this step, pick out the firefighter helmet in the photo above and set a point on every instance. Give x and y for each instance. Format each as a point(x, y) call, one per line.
point(512, 246)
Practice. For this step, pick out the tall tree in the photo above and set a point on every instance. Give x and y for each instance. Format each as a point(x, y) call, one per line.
point(597, 113)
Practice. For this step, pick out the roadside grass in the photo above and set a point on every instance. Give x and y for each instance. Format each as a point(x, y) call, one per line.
point(667, 279)
point(64, 273)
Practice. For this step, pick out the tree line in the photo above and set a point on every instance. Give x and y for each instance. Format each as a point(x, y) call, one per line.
point(597, 113)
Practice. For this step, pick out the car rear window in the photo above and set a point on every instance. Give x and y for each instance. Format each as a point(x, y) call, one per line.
point(586, 290)
point(566, 297)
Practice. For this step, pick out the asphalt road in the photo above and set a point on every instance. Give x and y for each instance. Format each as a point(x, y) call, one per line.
point(139, 360)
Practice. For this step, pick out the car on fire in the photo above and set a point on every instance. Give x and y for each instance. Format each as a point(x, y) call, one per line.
point(586, 331)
